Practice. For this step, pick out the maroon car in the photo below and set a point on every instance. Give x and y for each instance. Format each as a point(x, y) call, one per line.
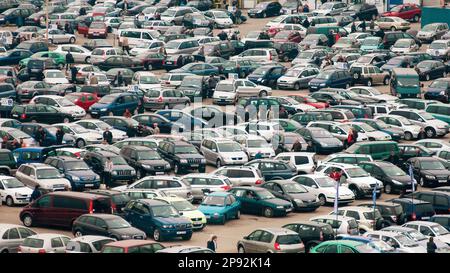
point(97, 30)
point(152, 60)
point(285, 36)
point(62, 208)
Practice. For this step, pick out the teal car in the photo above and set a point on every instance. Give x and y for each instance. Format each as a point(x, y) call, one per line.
point(371, 44)
point(439, 111)
point(218, 207)
point(343, 246)
point(58, 57)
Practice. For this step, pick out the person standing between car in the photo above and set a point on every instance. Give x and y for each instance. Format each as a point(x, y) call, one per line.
point(16, 144)
point(355, 135)
point(125, 45)
point(107, 136)
point(140, 108)
point(66, 27)
point(283, 113)
point(305, 8)
point(127, 113)
point(156, 129)
point(431, 246)
point(330, 37)
point(363, 26)
point(372, 24)
point(350, 137)
point(35, 194)
point(201, 50)
point(107, 171)
point(306, 23)
point(69, 60)
point(119, 79)
point(353, 27)
point(212, 243)
point(222, 35)
point(212, 83)
point(258, 155)
point(40, 136)
point(297, 147)
point(73, 73)
point(59, 136)
point(93, 79)
point(238, 16)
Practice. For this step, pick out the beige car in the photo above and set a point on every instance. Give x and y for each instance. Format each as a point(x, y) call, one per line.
point(393, 23)
point(369, 75)
point(271, 240)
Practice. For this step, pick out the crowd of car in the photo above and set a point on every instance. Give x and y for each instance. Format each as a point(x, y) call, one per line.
point(273, 155)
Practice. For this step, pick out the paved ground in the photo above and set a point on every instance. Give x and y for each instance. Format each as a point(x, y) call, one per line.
point(228, 234)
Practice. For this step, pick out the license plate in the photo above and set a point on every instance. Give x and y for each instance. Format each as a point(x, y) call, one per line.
point(442, 181)
point(426, 218)
point(159, 173)
point(194, 165)
point(89, 185)
point(94, 113)
point(197, 223)
point(289, 210)
point(181, 232)
point(169, 62)
point(34, 70)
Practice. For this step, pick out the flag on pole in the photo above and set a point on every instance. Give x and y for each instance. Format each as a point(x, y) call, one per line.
point(411, 175)
point(336, 199)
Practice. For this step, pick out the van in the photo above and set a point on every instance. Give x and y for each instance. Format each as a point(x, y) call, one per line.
point(182, 46)
point(439, 111)
point(405, 83)
point(137, 36)
point(378, 150)
point(6, 37)
point(62, 208)
point(418, 104)
point(322, 29)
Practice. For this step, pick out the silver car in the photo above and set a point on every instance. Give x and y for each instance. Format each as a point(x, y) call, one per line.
point(46, 176)
point(223, 152)
point(241, 175)
point(297, 78)
point(88, 244)
point(165, 99)
point(202, 184)
point(271, 240)
point(12, 236)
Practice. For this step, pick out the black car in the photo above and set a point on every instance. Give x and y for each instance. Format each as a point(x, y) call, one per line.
point(145, 160)
point(165, 126)
point(182, 156)
point(415, 209)
point(286, 51)
point(407, 151)
point(265, 9)
point(429, 171)
point(299, 196)
point(119, 199)
point(107, 225)
point(332, 98)
point(394, 179)
point(13, 57)
point(39, 113)
point(428, 70)
point(128, 125)
point(439, 200)
point(120, 61)
point(33, 46)
point(361, 12)
point(96, 43)
point(320, 140)
point(312, 233)
point(201, 5)
point(99, 90)
point(196, 87)
point(391, 212)
point(390, 37)
point(443, 220)
point(11, 16)
point(36, 67)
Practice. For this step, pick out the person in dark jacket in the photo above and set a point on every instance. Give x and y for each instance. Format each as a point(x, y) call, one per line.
point(212, 243)
point(306, 23)
point(297, 147)
point(353, 28)
point(363, 26)
point(258, 155)
point(223, 36)
point(107, 136)
point(40, 136)
point(82, 11)
point(69, 59)
point(431, 246)
point(36, 193)
point(73, 74)
point(119, 79)
point(305, 8)
point(59, 136)
point(283, 113)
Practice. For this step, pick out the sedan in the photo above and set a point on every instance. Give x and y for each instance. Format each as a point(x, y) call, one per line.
point(56, 36)
point(120, 61)
point(201, 69)
point(428, 70)
point(271, 240)
point(285, 36)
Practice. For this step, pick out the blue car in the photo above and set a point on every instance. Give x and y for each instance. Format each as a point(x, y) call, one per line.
point(116, 104)
point(438, 90)
point(202, 69)
point(14, 56)
point(400, 61)
point(218, 207)
point(34, 154)
point(334, 78)
point(158, 218)
point(267, 75)
point(187, 120)
point(50, 133)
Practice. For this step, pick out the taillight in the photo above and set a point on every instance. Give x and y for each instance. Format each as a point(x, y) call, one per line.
point(167, 82)
point(160, 99)
point(413, 216)
point(366, 116)
point(270, 57)
point(226, 187)
point(78, 154)
point(321, 236)
point(19, 249)
point(258, 182)
point(113, 208)
point(164, 62)
point(41, 251)
point(23, 116)
point(277, 246)
point(91, 207)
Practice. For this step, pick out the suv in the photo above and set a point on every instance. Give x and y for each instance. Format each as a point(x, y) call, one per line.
point(145, 160)
point(76, 171)
point(273, 169)
point(368, 219)
point(8, 164)
point(439, 200)
point(36, 67)
point(241, 175)
point(165, 99)
point(223, 152)
point(433, 127)
point(414, 209)
point(432, 32)
point(122, 172)
point(182, 156)
point(391, 212)
point(47, 177)
point(369, 75)
point(312, 233)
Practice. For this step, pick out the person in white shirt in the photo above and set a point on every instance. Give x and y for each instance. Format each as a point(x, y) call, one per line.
point(107, 171)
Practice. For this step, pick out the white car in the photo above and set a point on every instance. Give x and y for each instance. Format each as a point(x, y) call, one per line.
point(63, 104)
point(341, 224)
point(397, 241)
point(432, 126)
point(12, 236)
point(87, 244)
point(56, 36)
point(82, 135)
point(266, 129)
point(221, 18)
point(303, 161)
point(372, 92)
point(330, 9)
point(440, 48)
point(346, 158)
point(100, 54)
point(44, 243)
point(99, 126)
point(46, 176)
point(298, 106)
point(54, 76)
point(145, 48)
point(101, 78)
point(434, 145)
point(357, 179)
point(84, 71)
point(418, 237)
point(412, 131)
point(146, 81)
point(325, 188)
point(369, 131)
point(172, 80)
point(257, 55)
point(297, 78)
point(79, 53)
point(364, 216)
point(231, 130)
point(337, 129)
point(253, 144)
point(13, 192)
point(430, 229)
point(403, 46)
point(230, 91)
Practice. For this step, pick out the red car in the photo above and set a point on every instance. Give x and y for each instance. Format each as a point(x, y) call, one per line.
point(97, 30)
point(309, 101)
point(285, 36)
point(152, 60)
point(84, 100)
point(405, 11)
point(132, 246)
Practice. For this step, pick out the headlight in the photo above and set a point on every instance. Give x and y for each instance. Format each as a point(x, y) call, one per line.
point(183, 161)
point(430, 176)
point(203, 160)
point(114, 173)
point(97, 177)
point(259, 79)
point(104, 109)
point(167, 226)
point(167, 166)
point(189, 225)
point(298, 201)
point(146, 166)
point(216, 215)
point(75, 178)
point(365, 186)
point(17, 194)
point(133, 172)
point(396, 182)
point(280, 207)
point(324, 144)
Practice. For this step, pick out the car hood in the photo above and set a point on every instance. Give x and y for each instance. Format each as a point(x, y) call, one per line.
point(436, 172)
point(330, 141)
point(189, 214)
point(386, 97)
point(90, 136)
point(277, 202)
point(211, 209)
point(444, 238)
point(218, 94)
point(404, 179)
point(172, 220)
point(306, 196)
point(190, 156)
point(127, 231)
point(21, 190)
point(150, 86)
point(98, 106)
point(435, 89)
point(156, 162)
point(72, 110)
point(54, 181)
point(84, 174)
point(122, 168)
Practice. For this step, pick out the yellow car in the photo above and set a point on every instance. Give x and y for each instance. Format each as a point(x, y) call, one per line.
point(187, 210)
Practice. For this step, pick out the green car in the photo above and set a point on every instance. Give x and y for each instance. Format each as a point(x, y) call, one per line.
point(439, 111)
point(288, 125)
point(247, 67)
point(343, 246)
point(370, 44)
point(58, 57)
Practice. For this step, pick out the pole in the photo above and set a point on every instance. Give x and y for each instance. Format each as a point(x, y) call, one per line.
point(46, 20)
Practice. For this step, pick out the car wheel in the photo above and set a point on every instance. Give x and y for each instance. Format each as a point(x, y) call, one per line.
point(264, 15)
point(427, 77)
point(444, 74)
point(34, 121)
point(286, 59)
point(322, 199)
point(268, 212)
point(218, 163)
point(72, 40)
point(9, 201)
point(430, 132)
point(149, 67)
point(386, 81)
point(157, 235)
point(27, 220)
point(408, 136)
point(110, 114)
point(238, 214)
point(297, 86)
point(388, 189)
point(416, 18)
point(422, 182)
point(81, 143)
point(140, 174)
point(263, 94)
point(393, 28)
point(241, 249)
point(5, 251)
point(87, 60)
point(66, 120)
point(77, 233)
point(369, 82)
point(355, 191)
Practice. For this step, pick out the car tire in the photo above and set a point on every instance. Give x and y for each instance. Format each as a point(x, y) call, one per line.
point(241, 249)
point(416, 18)
point(80, 143)
point(264, 15)
point(27, 220)
point(4, 251)
point(393, 28)
point(310, 246)
point(263, 93)
point(268, 212)
point(297, 86)
point(408, 136)
point(355, 191)
point(9, 201)
point(322, 199)
point(72, 40)
point(422, 182)
point(388, 189)
point(166, 107)
point(430, 132)
point(157, 235)
point(386, 81)
point(148, 67)
point(87, 60)
point(369, 82)
point(427, 77)
point(33, 121)
point(77, 233)
point(286, 59)
point(242, 74)
point(444, 74)
point(218, 163)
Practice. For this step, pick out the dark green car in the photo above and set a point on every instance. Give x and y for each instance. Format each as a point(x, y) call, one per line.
point(7, 162)
point(260, 201)
point(246, 67)
point(273, 169)
point(288, 125)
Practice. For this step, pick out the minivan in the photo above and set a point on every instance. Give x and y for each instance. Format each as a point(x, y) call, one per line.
point(182, 46)
point(138, 36)
point(331, 78)
point(378, 150)
point(62, 208)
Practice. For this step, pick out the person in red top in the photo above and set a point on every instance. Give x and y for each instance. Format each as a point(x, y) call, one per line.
point(336, 175)
point(350, 139)
point(337, 36)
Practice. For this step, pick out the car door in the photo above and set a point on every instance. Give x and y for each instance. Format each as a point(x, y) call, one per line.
point(252, 242)
point(246, 203)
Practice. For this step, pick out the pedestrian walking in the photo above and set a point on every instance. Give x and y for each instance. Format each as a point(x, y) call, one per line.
point(212, 243)
point(363, 26)
point(350, 137)
point(40, 136)
point(353, 27)
point(69, 60)
point(297, 147)
point(36, 193)
point(107, 173)
point(59, 136)
point(223, 36)
point(93, 79)
point(125, 45)
point(107, 136)
point(431, 246)
point(73, 74)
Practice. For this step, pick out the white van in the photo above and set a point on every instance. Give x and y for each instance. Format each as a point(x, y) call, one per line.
point(137, 36)
point(6, 38)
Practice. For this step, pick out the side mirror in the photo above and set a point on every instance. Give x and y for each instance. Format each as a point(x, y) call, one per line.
point(105, 227)
point(181, 213)
point(32, 176)
point(245, 238)
point(214, 150)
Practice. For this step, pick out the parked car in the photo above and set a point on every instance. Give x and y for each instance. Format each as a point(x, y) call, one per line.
point(13, 236)
point(44, 243)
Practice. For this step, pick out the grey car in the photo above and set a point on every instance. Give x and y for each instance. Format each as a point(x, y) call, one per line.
point(223, 151)
point(271, 240)
point(202, 184)
point(297, 78)
point(12, 236)
point(164, 99)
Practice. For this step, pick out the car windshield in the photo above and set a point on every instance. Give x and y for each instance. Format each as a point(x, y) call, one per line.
point(76, 166)
point(366, 127)
point(183, 205)
point(103, 125)
point(173, 45)
point(283, 35)
point(393, 171)
point(78, 129)
point(365, 248)
point(12, 183)
point(221, 15)
point(261, 71)
point(164, 211)
point(191, 82)
point(65, 102)
point(326, 182)
point(225, 87)
point(48, 174)
point(428, 28)
point(325, 75)
point(402, 44)
point(217, 201)
point(357, 172)
point(438, 45)
point(432, 165)
point(54, 74)
point(405, 241)
point(321, 134)
point(326, 6)
point(370, 215)
point(118, 160)
point(229, 147)
point(117, 223)
point(293, 73)
point(107, 99)
point(290, 239)
point(417, 236)
point(18, 134)
point(294, 188)
point(439, 230)
point(185, 150)
point(257, 143)
point(148, 80)
point(439, 84)
point(305, 55)
point(370, 42)
point(364, 59)
point(261, 5)
point(408, 82)
point(427, 116)
point(148, 155)
point(169, 13)
point(344, 41)
point(354, 7)
point(380, 246)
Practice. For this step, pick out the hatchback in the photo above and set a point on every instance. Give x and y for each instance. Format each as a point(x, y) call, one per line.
point(271, 240)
